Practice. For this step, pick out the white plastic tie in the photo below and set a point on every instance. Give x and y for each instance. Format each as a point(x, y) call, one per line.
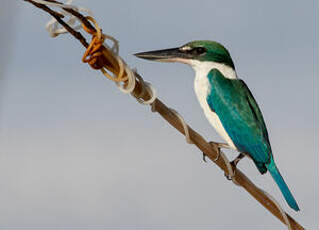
point(185, 126)
point(53, 27)
point(284, 215)
point(131, 82)
point(146, 86)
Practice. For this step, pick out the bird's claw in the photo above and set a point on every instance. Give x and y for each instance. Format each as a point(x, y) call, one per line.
point(204, 157)
point(218, 146)
point(237, 159)
point(228, 177)
point(221, 145)
point(234, 165)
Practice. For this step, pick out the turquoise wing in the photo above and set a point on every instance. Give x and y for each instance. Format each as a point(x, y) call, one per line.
point(241, 117)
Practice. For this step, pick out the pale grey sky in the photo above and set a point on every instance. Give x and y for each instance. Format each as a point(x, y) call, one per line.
point(76, 153)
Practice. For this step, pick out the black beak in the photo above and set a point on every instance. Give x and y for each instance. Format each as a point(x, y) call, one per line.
point(167, 55)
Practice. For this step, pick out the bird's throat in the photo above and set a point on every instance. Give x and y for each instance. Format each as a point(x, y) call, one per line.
point(202, 68)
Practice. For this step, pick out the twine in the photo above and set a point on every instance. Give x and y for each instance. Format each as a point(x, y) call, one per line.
point(185, 126)
point(53, 27)
point(283, 213)
point(99, 55)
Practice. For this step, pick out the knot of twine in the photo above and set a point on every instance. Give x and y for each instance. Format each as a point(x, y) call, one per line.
point(106, 59)
point(99, 56)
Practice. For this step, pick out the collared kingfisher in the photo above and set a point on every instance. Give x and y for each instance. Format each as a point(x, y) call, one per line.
point(228, 104)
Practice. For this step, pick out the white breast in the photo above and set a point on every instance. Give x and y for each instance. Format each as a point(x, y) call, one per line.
point(202, 88)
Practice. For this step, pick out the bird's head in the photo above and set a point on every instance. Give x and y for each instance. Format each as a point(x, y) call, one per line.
point(195, 51)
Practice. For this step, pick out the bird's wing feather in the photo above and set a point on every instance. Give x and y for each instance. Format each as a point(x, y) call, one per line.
point(240, 116)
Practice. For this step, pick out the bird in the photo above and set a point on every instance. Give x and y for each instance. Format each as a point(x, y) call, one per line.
point(228, 104)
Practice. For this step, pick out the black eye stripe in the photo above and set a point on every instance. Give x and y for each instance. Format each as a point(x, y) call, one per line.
point(200, 50)
point(197, 51)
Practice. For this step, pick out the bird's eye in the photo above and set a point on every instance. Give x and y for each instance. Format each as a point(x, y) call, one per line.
point(198, 50)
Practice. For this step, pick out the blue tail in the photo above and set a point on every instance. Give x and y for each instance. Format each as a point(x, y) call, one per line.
point(282, 185)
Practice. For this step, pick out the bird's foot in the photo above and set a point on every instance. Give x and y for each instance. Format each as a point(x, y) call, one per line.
point(204, 157)
point(234, 165)
point(237, 159)
point(219, 146)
